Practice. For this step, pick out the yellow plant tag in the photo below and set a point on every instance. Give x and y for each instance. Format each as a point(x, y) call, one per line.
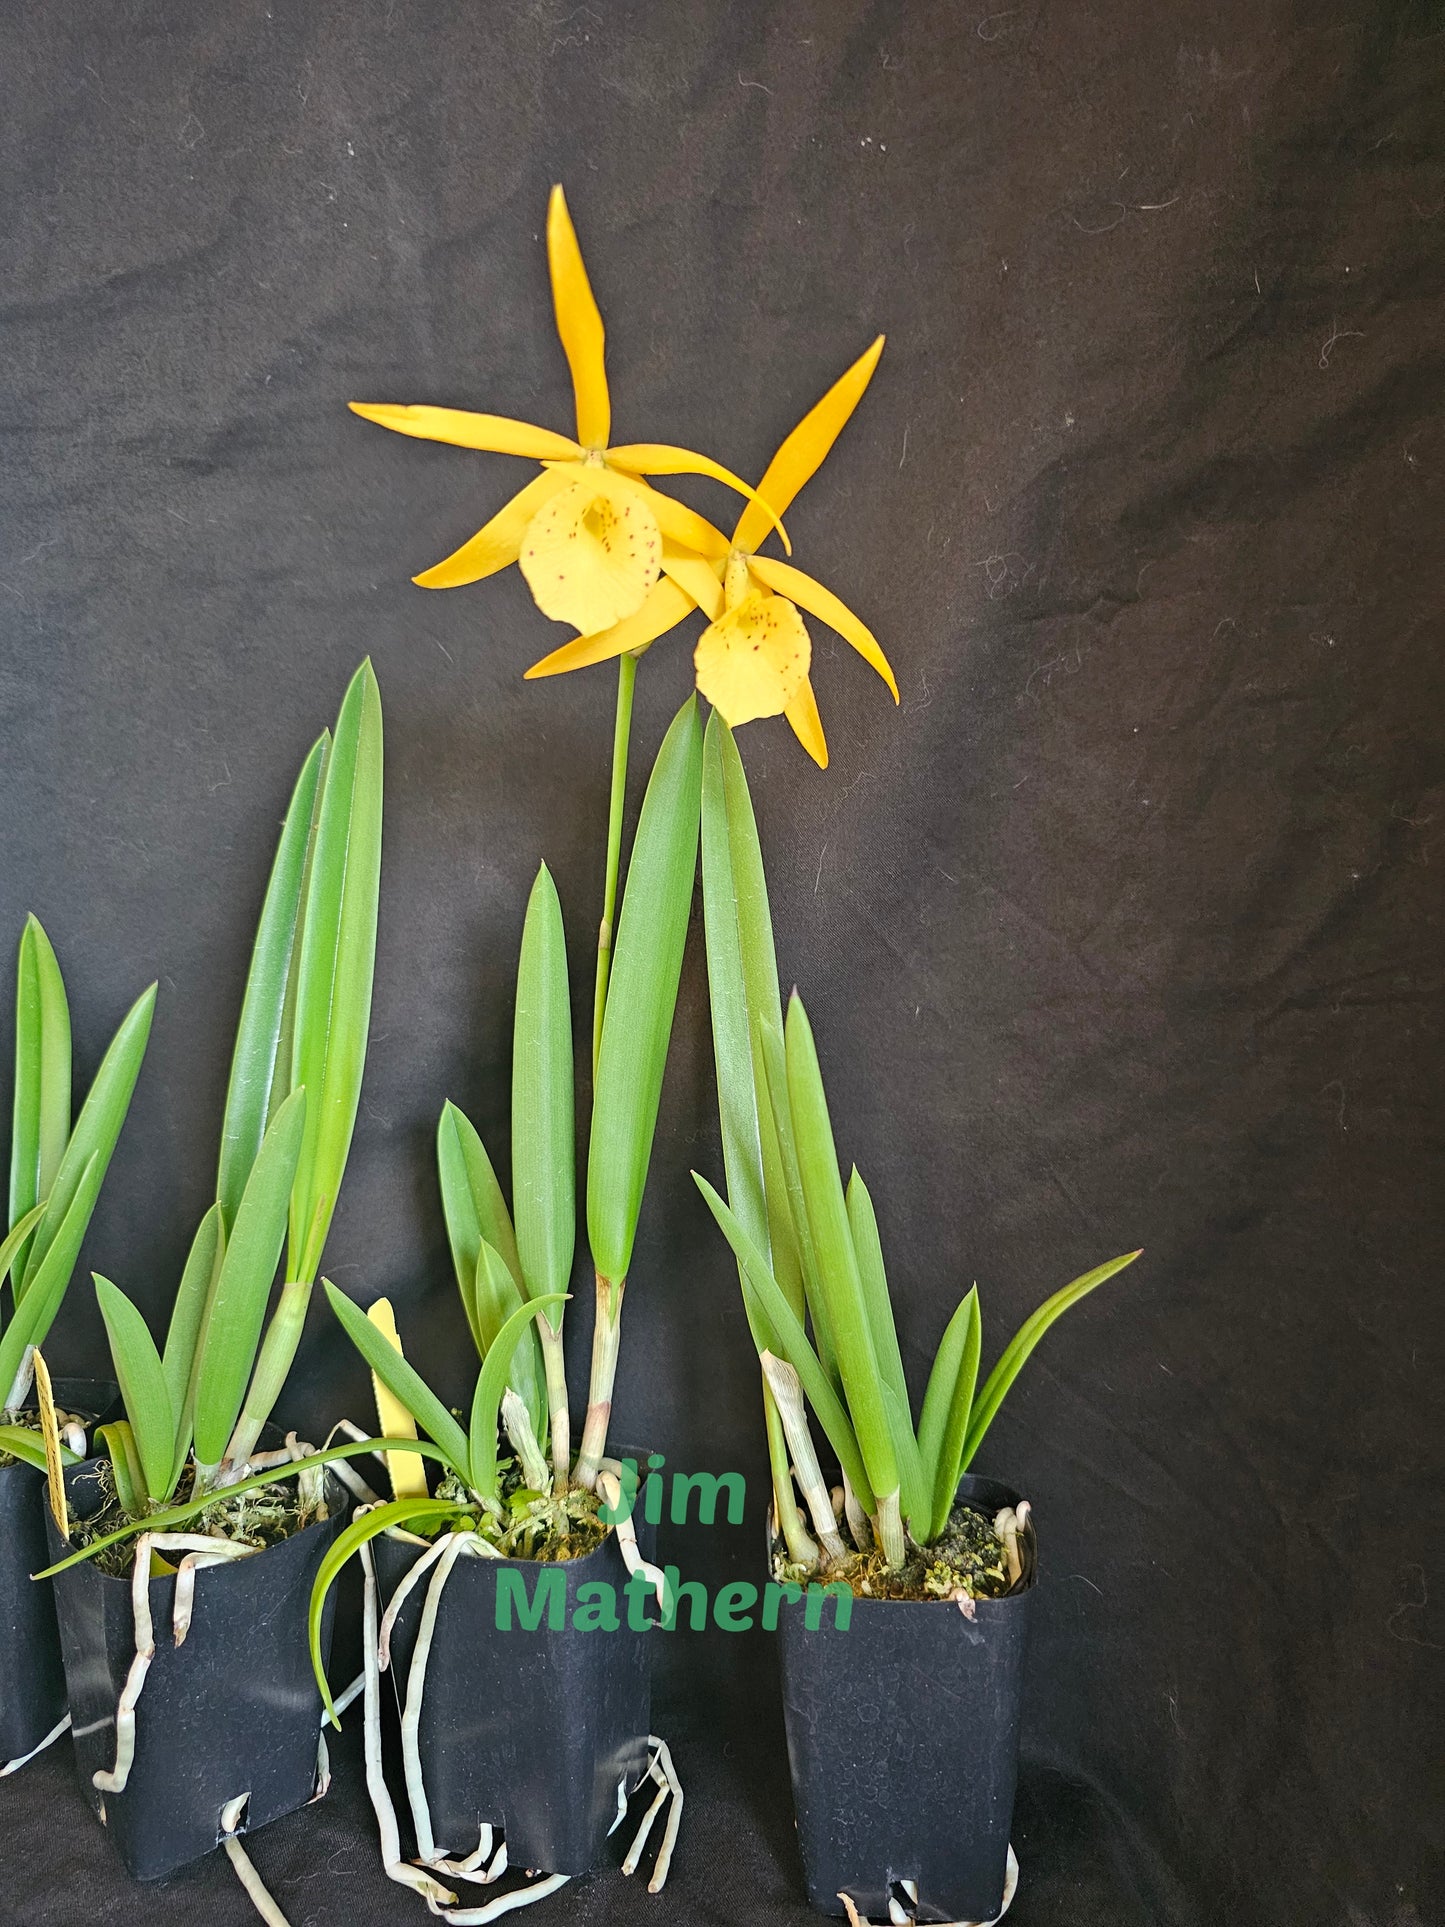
point(50, 1434)
point(407, 1470)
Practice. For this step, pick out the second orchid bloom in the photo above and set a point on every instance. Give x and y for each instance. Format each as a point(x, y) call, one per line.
point(623, 563)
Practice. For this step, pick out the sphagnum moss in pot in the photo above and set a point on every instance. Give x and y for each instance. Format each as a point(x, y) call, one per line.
point(902, 1691)
point(189, 1551)
point(56, 1171)
point(523, 1734)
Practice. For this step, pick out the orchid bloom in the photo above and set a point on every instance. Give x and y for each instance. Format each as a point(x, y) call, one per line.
point(755, 655)
point(589, 534)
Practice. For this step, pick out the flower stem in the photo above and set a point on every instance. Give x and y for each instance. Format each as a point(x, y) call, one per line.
point(621, 733)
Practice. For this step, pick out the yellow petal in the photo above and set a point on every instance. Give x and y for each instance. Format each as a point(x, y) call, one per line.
point(659, 458)
point(498, 544)
point(697, 577)
point(664, 608)
point(802, 713)
point(407, 1469)
point(752, 661)
point(498, 434)
point(579, 324)
point(823, 604)
point(802, 453)
point(591, 554)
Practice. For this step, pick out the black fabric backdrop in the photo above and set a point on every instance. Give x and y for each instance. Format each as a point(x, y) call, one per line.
point(1124, 929)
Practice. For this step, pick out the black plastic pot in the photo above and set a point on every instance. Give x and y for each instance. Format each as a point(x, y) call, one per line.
point(232, 1710)
point(32, 1677)
point(525, 1731)
point(903, 1737)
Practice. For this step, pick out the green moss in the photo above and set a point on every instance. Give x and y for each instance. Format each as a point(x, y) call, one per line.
point(968, 1557)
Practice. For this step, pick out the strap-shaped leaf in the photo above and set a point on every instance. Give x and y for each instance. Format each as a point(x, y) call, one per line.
point(96, 1130)
point(338, 953)
point(261, 1063)
point(14, 1240)
point(403, 1381)
point(25, 1444)
point(188, 1316)
point(838, 1279)
point(243, 1287)
point(36, 1311)
point(497, 1299)
point(775, 1075)
point(125, 1467)
point(142, 1380)
point(42, 1076)
point(544, 1194)
point(642, 994)
point(1000, 1379)
point(371, 1525)
point(474, 1208)
point(491, 1383)
point(943, 1425)
point(916, 1490)
point(774, 1320)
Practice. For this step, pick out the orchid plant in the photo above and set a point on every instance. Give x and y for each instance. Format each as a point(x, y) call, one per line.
point(809, 1253)
point(56, 1167)
point(195, 1410)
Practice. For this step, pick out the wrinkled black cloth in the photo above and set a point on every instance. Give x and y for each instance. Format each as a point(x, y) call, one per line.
point(1123, 929)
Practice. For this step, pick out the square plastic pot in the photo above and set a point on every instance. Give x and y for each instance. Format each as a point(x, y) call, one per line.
point(232, 1710)
point(903, 1734)
point(32, 1677)
point(528, 1732)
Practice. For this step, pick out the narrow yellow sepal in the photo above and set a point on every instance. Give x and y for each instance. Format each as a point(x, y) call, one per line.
point(802, 453)
point(664, 608)
point(498, 544)
point(807, 724)
point(497, 434)
point(822, 603)
point(697, 577)
point(660, 458)
point(407, 1469)
point(579, 325)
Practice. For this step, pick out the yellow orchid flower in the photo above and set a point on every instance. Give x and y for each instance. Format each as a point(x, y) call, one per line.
point(588, 532)
point(754, 657)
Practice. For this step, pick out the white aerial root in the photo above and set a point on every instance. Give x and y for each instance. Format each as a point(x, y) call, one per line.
point(661, 1769)
point(261, 1900)
point(452, 1547)
point(609, 1484)
point(899, 1915)
point(14, 1766)
point(381, 1805)
point(206, 1552)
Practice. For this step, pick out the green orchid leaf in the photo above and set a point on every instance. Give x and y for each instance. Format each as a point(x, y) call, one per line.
point(642, 994)
point(126, 1470)
point(491, 1383)
point(497, 1300)
point(261, 1063)
point(35, 1313)
point(403, 1381)
point(336, 963)
point(474, 1208)
point(94, 1136)
point(142, 1380)
point(193, 1300)
point(13, 1244)
point(996, 1386)
point(916, 1489)
point(947, 1404)
point(809, 1290)
point(42, 1077)
point(371, 1525)
point(838, 1278)
point(25, 1444)
point(544, 1201)
point(243, 1285)
point(781, 1332)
